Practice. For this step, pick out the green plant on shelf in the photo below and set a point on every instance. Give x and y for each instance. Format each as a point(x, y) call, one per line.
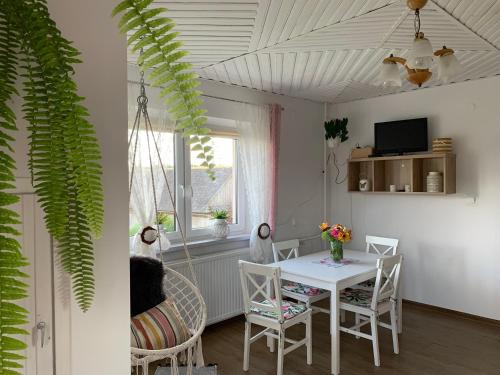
point(337, 128)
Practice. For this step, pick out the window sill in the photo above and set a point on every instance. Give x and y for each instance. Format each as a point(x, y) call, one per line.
point(209, 242)
point(206, 246)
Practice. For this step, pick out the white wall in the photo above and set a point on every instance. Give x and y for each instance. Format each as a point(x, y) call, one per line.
point(98, 342)
point(300, 177)
point(451, 244)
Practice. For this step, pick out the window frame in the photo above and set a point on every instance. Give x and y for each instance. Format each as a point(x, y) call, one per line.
point(184, 189)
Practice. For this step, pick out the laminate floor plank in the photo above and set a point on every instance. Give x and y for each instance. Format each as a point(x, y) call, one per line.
point(432, 343)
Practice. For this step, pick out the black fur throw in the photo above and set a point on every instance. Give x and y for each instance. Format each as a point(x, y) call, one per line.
point(146, 277)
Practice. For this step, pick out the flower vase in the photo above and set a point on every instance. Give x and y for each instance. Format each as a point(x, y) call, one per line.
point(336, 251)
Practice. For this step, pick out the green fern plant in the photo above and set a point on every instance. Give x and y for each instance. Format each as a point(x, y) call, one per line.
point(64, 160)
point(151, 34)
point(12, 288)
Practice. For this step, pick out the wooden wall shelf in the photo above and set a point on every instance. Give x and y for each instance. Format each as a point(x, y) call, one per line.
point(400, 171)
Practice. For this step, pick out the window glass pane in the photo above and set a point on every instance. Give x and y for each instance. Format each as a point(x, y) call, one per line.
point(220, 194)
point(147, 168)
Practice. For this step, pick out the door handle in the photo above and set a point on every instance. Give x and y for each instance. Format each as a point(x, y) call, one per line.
point(187, 191)
point(41, 326)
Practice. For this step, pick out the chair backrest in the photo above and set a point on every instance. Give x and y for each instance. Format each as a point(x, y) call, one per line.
point(255, 280)
point(285, 250)
point(382, 245)
point(387, 281)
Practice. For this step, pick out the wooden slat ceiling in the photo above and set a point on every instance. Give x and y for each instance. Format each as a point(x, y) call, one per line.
point(328, 50)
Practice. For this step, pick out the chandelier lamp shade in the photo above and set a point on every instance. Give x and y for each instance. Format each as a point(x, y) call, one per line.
point(420, 59)
point(421, 54)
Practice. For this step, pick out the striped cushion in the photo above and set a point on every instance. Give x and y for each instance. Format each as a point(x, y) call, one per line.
point(160, 327)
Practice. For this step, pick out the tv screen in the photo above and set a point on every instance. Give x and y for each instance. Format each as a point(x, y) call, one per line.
point(397, 137)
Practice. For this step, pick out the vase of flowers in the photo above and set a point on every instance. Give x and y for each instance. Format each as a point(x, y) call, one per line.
point(337, 235)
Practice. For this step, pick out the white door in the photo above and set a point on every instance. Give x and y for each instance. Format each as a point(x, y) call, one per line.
point(36, 246)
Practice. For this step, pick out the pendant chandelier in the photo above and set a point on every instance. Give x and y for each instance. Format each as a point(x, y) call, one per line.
point(420, 58)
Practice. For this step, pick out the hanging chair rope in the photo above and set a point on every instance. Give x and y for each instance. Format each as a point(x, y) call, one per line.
point(142, 111)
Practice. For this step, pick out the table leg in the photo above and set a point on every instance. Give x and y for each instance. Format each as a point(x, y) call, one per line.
point(334, 331)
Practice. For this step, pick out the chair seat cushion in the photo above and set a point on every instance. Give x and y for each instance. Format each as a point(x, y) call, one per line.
point(161, 327)
point(358, 297)
point(290, 309)
point(303, 289)
point(368, 285)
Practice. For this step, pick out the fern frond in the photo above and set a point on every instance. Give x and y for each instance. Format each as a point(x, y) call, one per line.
point(77, 255)
point(64, 153)
point(12, 316)
point(161, 54)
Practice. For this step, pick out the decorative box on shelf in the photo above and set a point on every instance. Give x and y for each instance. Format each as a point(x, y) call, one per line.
point(361, 152)
point(405, 174)
point(442, 145)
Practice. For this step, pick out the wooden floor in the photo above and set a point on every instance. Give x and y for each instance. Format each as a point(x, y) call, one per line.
point(432, 342)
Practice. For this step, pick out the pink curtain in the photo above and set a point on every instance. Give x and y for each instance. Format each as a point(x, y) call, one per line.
point(275, 114)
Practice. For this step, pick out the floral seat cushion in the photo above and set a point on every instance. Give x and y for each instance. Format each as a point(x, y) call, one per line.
point(290, 309)
point(368, 284)
point(358, 297)
point(303, 289)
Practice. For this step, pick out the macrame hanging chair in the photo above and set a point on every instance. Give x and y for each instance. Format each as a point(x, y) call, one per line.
point(184, 292)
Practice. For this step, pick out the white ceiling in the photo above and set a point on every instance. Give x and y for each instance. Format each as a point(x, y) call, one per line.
point(328, 50)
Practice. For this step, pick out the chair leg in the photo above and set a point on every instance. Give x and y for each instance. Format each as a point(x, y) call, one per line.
point(271, 344)
point(342, 316)
point(281, 351)
point(309, 339)
point(246, 350)
point(357, 321)
point(400, 315)
point(376, 353)
point(394, 326)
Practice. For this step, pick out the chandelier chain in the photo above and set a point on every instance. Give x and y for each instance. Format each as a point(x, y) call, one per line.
point(416, 23)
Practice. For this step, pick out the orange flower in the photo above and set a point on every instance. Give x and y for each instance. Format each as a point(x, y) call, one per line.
point(324, 226)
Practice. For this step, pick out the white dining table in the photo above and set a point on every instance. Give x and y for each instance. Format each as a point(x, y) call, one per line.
point(308, 270)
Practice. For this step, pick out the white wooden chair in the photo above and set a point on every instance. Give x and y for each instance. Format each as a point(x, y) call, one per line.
point(382, 246)
point(273, 314)
point(369, 306)
point(296, 291)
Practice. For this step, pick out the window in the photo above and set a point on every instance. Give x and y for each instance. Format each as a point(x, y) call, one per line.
point(214, 195)
point(142, 188)
point(195, 195)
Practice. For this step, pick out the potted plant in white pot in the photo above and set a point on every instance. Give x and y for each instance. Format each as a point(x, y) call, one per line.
point(165, 221)
point(336, 132)
point(220, 225)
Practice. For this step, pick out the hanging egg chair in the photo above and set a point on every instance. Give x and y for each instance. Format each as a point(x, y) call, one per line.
point(180, 289)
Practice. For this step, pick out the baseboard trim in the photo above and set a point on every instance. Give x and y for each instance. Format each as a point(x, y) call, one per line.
point(453, 312)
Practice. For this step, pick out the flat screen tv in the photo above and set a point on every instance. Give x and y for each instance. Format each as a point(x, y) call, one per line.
point(399, 137)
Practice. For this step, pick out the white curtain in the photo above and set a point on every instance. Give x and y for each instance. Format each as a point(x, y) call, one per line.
point(144, 168)
point(255, 151)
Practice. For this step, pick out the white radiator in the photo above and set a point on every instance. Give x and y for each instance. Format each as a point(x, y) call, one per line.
point(219, 280)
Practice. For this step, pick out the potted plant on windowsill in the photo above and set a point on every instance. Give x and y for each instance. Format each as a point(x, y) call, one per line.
point(336, 132)
point(165, 221)
point(220, 225)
